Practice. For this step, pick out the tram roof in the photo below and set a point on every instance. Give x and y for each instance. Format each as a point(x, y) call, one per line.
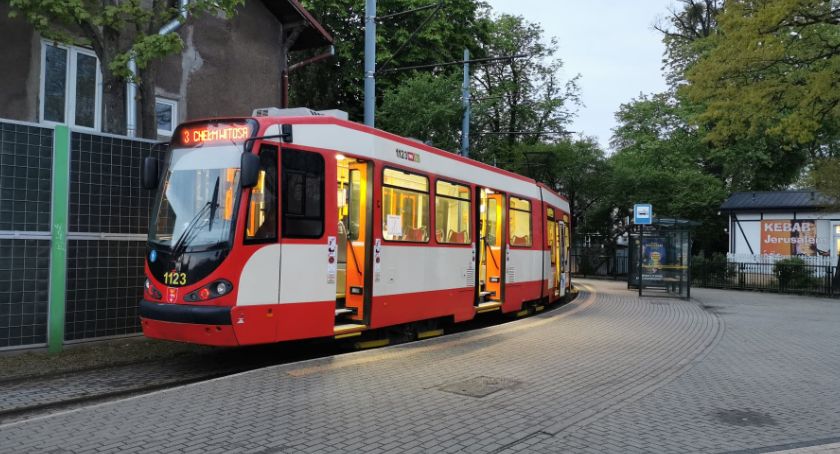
point(380, 134)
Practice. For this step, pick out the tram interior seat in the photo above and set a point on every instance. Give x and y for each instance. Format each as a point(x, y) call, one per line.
point(416, 234)
point(457, 237)
point(519, 241)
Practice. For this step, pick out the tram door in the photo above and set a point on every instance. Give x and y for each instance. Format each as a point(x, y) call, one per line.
point(563, 256)
point(491, 245)
point(554, 244)
point(354, 191)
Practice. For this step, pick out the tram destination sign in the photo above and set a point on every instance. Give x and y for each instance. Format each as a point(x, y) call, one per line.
point(198, 134)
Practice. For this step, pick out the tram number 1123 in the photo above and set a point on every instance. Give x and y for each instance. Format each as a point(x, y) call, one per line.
point(175, 278)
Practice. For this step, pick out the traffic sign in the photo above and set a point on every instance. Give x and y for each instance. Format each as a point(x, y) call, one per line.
point(642, 214)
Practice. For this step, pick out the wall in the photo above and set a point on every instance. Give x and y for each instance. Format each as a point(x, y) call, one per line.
point(240, 64)
point(228, 67)
point(20, 60)
point(750, 230)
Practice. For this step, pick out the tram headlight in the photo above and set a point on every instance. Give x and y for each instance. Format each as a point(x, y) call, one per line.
point(208, 292)
point(151, 290)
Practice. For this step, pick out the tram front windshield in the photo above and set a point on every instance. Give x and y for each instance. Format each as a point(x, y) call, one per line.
point(195, 206)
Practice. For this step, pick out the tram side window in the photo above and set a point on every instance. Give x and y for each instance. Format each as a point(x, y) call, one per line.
point(452, 213)
point(303, 194)
point(405, 206)
point(520, 222)
point(262, 206)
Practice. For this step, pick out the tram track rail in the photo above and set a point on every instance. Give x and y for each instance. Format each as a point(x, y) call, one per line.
point(22, 398)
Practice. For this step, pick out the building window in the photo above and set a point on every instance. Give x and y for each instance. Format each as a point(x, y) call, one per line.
point(405, 206)
point(71, 86)
point(166, 115)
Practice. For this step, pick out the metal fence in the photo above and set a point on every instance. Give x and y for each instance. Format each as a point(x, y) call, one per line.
point(599, 265)
point(73, 222)
point(782, 277)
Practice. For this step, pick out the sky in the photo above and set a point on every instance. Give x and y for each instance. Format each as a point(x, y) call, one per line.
point(610, 43)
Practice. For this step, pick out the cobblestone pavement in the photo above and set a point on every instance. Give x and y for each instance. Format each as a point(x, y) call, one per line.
point(43, 391)
point(609, 372)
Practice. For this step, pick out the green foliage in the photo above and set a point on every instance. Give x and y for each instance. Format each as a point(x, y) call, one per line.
point(340, 84)
point(713, 271)
point(574, 167)
point(825, 177)
point(683, 33)
point(523, 95)
point(793, 273)
point(104, 26)
point(662, 160)
point(426, 107)
point(773, 71)
point(521, 99)
point(118, 30)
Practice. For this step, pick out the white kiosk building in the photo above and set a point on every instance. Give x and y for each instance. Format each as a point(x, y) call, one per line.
point(768, 226)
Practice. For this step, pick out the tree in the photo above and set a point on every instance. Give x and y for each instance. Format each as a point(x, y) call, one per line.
point(340, 85)
point(523, 98)
point(773, 70)
point(573, 167)
point(662, 159)
point(758, 161)
point(825, 177)
point(117, 30)
point(684, 32)
point(426, 107)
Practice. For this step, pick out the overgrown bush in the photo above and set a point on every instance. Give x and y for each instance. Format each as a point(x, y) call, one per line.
point(585, 265)
point(794, 273)
point(711, 270)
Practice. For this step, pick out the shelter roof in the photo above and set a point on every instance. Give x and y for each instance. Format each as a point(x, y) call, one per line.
point(776, 200)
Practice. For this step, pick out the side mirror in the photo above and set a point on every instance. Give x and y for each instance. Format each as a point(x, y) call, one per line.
point(249, 170)
point(149, 173)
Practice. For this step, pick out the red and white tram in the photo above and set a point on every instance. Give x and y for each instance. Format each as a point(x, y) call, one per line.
point(279, 227)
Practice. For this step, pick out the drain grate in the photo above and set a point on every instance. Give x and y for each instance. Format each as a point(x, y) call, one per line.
point(479, 386)
point(744, 418)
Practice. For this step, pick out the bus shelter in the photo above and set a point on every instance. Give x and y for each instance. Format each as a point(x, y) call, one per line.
point(659, 259)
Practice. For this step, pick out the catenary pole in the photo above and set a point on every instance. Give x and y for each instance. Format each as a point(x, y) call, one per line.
point(370, 61)
point(465, 124)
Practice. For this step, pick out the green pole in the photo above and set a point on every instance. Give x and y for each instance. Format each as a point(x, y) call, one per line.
point(58, 243)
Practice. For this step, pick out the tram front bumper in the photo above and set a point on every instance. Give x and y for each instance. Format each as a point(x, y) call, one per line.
point(206, 325)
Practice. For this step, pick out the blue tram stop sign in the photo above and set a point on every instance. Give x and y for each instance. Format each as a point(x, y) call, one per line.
point(643, 214)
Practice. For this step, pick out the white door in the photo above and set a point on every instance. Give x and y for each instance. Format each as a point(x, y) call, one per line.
point(835, 242)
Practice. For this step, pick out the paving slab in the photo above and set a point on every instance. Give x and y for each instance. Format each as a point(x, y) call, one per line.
point(609, 372)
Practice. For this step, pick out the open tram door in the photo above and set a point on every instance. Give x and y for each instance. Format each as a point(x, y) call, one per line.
point(491, 250)
point(565, 285)
point(355, 231)
point(555, 242)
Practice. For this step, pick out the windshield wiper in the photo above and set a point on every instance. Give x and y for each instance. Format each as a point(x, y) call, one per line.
point(189, 232)
point(214, 204)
